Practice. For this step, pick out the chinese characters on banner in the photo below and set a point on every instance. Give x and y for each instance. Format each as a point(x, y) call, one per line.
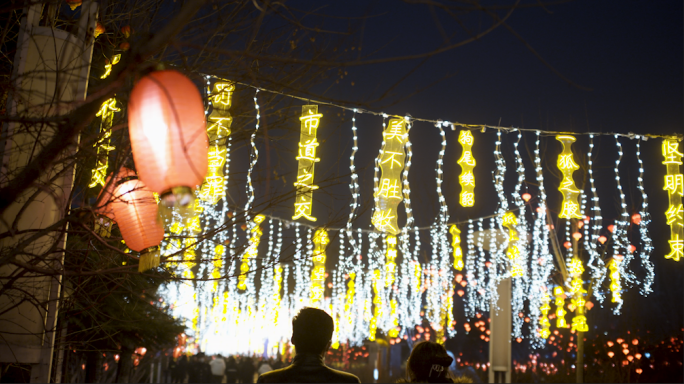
point(103, 146)
point(544, 332)
point(456, 245)
point(218, 130)
point(513, 253)
point(560, 311)
point(579, 321)
point(306, 155)
point(320, 241)
point(467, 163)
point(570, 208)
point(251, 252)
point(389, 192)
point(390, 262)
point(674, 182)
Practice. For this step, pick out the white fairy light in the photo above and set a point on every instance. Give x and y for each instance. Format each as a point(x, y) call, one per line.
point(471, 278)
point(595, 263)
point(647, 247)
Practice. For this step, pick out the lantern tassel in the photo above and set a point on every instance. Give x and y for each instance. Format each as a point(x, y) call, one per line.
point(149, 259)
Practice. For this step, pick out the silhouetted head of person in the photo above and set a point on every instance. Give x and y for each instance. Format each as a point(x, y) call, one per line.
point(312, 331)
point(429, 362)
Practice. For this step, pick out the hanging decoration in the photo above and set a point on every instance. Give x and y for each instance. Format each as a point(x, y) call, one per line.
point(389, 192)
point(467, 163)
point(103, 145)
point(567, 165)
point(674, 182)
point(307, 159)
point(135, 211)
point(218, 130)
point(167, 129)
point(390, 282)
point(456, 245)
point(320, 241)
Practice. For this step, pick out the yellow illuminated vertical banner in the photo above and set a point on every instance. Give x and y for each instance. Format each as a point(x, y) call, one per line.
point(306, 155)
point(251, 252)
point(566, 163)
point(456, 245)
point(377, 305)
point(674, 182)
point(106, 112)
point(467, 163)
point(560, 311)
point(513, 253)
point(544, 332)
point(579, 321)
point(218, 130)
point(615, 286)
point(390, 277)
point(320, 241)
point(389, 191)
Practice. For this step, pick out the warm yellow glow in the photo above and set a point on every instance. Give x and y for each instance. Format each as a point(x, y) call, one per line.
point(570, 209)
point(467, 163)
point(306, 155)
point(615, 286)
point(394, 331)
point(674, 184)
point(106, 112)
point(513, 252)
point(417, 274)
point(218, 264)
point(545, 332)
point(389, 189)
point(218, 129)
point(377, 305)
point(560, 311)
point(390, 262)
point(579, 321)
point(108, 67)
point(251, 252)
point(278, 284)
point(320, 241)
point(456, 245)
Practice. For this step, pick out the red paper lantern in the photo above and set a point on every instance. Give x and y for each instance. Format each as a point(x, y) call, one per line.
point(636, 218)
point(567, 245)
point(611, 228)
point(135, 211)
point(602, 239)
point(526, 196)
point(576, 235)
point(168, 135)
point(106, 198)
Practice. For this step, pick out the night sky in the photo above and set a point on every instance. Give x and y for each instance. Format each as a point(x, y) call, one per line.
point(626, 57)
point(628, 53)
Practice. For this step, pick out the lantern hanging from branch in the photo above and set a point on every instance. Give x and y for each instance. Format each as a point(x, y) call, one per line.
point(135, 211)
point(106, 199)
point(166, 123)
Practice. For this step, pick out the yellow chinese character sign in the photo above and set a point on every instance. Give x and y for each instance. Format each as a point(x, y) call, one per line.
point(570, 208)
point(513, 252)
point(560, 311)
point(251, 252)
point(674, 182)
point(388, 194)
point(456, 245)
point(544, 332)
point(320, 241)
point(467, 163)
point(615, 286)
point(218, 130)
point(579, 321)
point(306, 155)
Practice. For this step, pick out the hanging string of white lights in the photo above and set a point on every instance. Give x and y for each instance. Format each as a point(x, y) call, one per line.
point(308, 100)
point(595, 263)
point(644, 220)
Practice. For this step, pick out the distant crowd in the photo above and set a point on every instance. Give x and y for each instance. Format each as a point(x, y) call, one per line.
point(312, 331)
point(202, 368)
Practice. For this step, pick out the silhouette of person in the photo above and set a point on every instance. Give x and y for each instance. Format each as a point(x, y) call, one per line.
point(312, 331)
